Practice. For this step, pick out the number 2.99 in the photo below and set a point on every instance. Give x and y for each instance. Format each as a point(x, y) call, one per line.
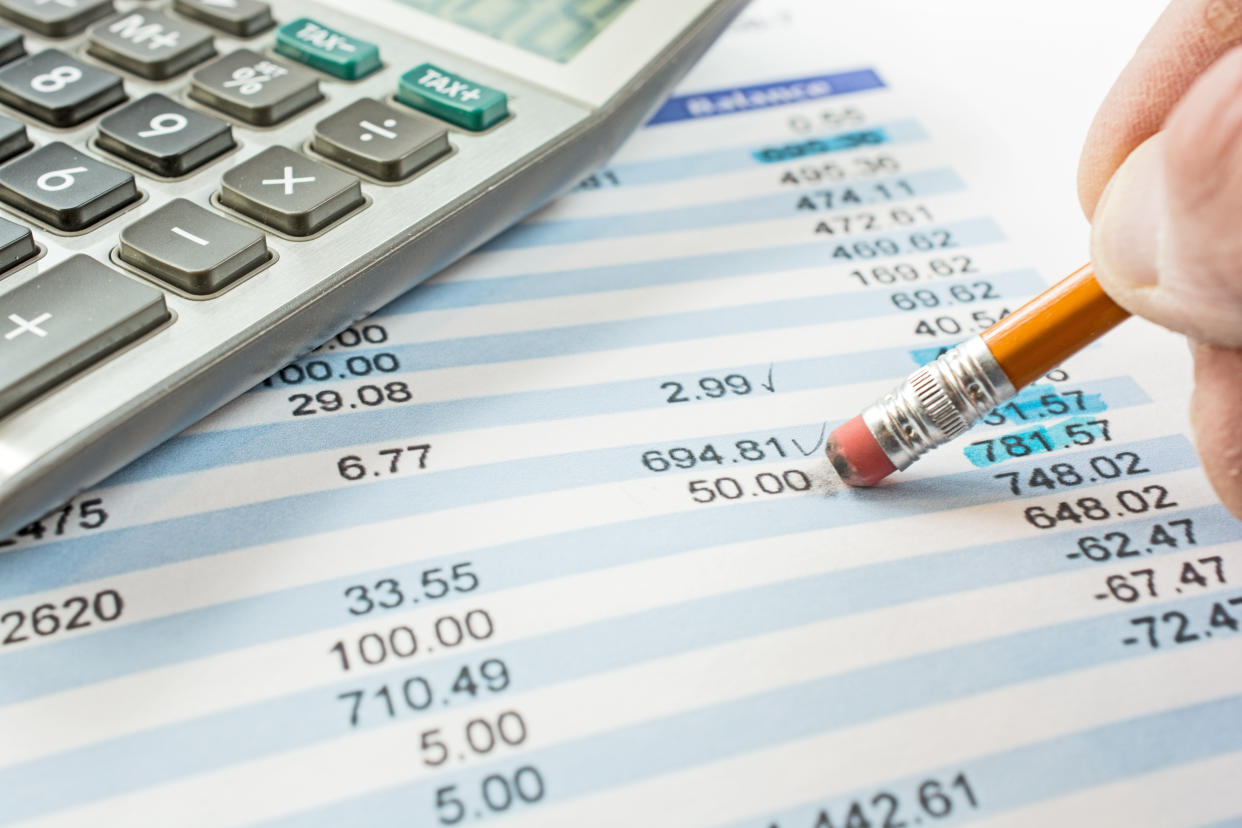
point(709, 387)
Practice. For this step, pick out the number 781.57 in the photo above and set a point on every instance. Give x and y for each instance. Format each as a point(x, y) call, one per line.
point(1041, 440)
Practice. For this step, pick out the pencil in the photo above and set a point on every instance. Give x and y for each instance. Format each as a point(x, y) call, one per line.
point(944, 398)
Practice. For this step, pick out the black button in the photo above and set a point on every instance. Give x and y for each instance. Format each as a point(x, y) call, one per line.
point(55, 19)
point(59, 89)
point(13, 138)
point(161, 135)
point(380, 141)
point(242, 18)
point(290, 192)
point(16, 245)
point(150, 44)
point(195, 249)
point(65, 188)
point(251, 87)
point(11, 45)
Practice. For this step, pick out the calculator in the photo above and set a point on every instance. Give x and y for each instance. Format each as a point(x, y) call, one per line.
point(195, 192)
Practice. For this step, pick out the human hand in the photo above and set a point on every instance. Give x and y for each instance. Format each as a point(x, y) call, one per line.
point(1161, 180)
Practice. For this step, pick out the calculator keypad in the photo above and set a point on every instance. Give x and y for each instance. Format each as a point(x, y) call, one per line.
point(55, 18)
point(379, 141)
point(192, 248)
point(64, 187)
point(289, 192)
point(59, 89)
point(253, 88)
point(150, 44)
point(57, 323)
point(242, 18)
point(65, 319)
point(161, 135)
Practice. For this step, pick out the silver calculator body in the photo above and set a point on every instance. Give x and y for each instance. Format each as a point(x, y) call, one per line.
point(194, 192)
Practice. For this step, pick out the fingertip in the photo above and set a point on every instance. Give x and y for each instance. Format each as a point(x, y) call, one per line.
point(1164, 239)
point(1128, 226)
point(1093, 177)
point(1216, 409)
point(1189, 37)
point(1203, 146)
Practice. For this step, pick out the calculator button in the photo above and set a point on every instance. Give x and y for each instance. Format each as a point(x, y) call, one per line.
point(11, 45)
point(250, 87)
point(13, 138)
point(237, 17)
point(290, 192)
point(65, 188)
point(58, 89)
point(65, 319)
point(326, 49)
point(16, 245)
point(452, 98)
point(192, 248)
point(150, 44)
point(379, 141)
point(55, 18)
point(161, 135)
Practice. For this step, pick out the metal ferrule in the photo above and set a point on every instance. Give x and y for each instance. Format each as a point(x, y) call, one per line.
point(938, 402)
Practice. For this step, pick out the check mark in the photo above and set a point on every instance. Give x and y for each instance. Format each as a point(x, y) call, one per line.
point(819, 441)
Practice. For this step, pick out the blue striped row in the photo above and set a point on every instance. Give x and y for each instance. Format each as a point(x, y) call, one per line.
point(1024, 776)
point(198, 633)
point(57, 563)
point(312, 716)
point(195, 451)
point(680, 270)
point(676, 743)
point(924, 184)
point(732, 159)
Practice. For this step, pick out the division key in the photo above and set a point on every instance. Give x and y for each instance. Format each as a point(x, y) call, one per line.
point(66, 319)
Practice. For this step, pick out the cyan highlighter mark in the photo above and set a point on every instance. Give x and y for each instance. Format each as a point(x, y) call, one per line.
point(708, 161)
point(794, 150)
point(1044, 401)
point(1030, 406)
point(1084, 430)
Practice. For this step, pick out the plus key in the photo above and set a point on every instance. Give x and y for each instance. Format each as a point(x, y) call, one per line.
point(66, 319)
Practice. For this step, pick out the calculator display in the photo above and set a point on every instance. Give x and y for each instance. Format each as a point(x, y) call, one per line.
point(554, 29)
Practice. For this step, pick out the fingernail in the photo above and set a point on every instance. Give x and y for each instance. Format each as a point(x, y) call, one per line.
point(1125, 232)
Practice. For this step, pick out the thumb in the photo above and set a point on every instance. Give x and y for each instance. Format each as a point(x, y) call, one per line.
point(1215, 411)
point(1166, 238)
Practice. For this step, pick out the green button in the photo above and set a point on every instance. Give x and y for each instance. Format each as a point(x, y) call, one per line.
point(324, 48)
point(452, 98)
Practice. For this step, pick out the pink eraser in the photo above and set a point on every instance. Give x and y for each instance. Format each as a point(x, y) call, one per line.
point(856, 455)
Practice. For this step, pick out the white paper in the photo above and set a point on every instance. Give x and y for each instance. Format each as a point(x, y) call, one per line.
point(473, 582)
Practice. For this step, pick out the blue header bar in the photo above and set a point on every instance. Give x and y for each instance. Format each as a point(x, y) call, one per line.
point(765, 95)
